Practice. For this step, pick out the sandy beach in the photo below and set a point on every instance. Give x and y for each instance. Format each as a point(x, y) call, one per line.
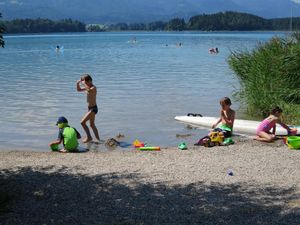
point(166, 187)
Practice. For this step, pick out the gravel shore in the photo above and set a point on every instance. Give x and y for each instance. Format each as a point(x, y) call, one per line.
point(166, 187)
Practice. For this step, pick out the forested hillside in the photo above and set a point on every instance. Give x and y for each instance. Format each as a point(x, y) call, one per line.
point(227, 21)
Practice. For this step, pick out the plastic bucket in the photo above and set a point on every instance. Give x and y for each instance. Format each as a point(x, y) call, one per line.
point(293, 142)
point(54, 147)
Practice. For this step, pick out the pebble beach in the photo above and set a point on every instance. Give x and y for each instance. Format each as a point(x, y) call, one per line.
point(245, 183)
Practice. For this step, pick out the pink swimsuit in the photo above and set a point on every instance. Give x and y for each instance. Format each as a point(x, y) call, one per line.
point(266, 126)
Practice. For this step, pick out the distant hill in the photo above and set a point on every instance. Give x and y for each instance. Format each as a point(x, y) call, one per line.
point(113, 11)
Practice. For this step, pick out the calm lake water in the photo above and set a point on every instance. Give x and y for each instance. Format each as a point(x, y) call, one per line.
point(141, 86)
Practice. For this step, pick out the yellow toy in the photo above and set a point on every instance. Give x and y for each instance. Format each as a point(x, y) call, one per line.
point(216, 137)
point(138, 144)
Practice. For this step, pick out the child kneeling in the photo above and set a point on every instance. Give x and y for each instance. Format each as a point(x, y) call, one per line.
point(263, 132)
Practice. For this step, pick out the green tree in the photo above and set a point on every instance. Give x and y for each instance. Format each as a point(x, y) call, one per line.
point(137, 26)
point(176, 24)
point(158, 25)
point(43, 26)
point(118, 27)
point(228, 21)
point(1, 32)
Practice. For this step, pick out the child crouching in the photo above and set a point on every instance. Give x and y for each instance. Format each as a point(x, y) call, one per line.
point(66, 135)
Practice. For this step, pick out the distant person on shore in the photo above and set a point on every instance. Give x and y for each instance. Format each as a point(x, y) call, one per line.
point(227, 116)
point(263, 132)
point(86, 84)
point(67, 136)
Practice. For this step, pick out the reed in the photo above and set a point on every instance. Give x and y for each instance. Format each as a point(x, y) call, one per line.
point(269, 75)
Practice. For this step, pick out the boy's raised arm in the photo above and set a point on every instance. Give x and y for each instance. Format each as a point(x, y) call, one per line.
point(79, 88)
point(87, 88)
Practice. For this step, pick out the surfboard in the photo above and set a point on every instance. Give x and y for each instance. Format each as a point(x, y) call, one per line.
point(240, 126)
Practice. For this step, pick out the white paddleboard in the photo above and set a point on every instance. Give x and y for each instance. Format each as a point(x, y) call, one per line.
point(240, 126)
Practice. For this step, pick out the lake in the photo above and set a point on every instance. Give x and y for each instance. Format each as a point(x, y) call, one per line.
point(142, 85)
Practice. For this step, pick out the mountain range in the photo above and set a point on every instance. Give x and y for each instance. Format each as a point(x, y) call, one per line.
point(130, 11)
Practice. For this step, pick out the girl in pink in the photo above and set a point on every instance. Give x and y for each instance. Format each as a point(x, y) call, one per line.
point(263, 131)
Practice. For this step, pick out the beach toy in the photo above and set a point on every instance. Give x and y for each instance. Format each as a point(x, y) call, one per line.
point(182, 146)
point(138, 144)
point(216, 137)
point(112, 143)
point(228, 141)
point(293, 142)
point(205, 141)
point(54, 147)
point(149, 148)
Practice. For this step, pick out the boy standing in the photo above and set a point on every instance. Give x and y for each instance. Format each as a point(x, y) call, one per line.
point(66, 135)
point(86, 84)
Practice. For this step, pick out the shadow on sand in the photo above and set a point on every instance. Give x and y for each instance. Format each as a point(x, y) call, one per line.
point(54, 196)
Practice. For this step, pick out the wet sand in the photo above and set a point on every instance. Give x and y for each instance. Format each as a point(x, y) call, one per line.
point(166, 187)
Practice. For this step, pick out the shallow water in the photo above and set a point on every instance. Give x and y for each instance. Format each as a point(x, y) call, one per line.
point(141, 86)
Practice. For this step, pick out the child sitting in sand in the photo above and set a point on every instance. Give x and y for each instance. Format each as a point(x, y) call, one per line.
point(220, 134)
point(66, 135)
point(226, 118)
point(263, 131)
point(91, 92)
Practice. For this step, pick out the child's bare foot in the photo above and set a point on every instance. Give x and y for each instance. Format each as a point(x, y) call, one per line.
point(86, 140)
point(63, 150)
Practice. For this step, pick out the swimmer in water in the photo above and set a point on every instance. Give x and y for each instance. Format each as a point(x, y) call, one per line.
point(213, 50)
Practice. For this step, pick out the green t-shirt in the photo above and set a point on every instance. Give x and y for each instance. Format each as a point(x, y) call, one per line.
point(69, 136)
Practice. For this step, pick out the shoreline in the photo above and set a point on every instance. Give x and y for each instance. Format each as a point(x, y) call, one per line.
point(170, 186)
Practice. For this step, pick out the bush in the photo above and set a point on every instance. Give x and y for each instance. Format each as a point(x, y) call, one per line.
point(270, 75)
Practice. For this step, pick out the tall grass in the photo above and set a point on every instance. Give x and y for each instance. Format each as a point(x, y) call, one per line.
point(270, 75)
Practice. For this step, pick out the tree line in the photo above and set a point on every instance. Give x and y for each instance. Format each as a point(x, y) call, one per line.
point(227, 21)
point(42, 26)
point(223, 21)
